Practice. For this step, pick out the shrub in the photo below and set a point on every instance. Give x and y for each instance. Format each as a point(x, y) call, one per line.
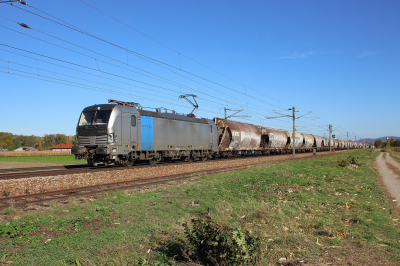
point(217, 244)
point(347, 161)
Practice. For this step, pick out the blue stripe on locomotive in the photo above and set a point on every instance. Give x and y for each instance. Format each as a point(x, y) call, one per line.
point(147, 136)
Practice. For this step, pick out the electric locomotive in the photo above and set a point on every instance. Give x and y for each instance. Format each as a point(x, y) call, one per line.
point(123, 133)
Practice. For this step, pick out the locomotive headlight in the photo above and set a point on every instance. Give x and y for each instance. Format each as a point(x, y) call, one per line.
point(110, 138)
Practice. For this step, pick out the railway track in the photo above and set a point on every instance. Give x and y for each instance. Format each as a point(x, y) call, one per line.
point(19, 173)
point(85, 191)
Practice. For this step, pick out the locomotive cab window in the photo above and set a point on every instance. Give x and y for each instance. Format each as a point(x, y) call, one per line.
point(133, 121)
point(97, 117)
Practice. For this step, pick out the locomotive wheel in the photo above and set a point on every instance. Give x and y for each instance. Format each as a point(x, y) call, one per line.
point(129, 163)
point(204, 158)
point(90, 162)
point(153, 161)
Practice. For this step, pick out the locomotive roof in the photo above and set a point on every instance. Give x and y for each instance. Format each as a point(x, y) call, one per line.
point(173, 116)
point(102, 107)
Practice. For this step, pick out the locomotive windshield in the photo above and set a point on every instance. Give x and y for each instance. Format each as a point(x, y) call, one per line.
point(96, 117)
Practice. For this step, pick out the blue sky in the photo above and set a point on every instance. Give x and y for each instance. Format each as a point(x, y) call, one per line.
point(338, 60)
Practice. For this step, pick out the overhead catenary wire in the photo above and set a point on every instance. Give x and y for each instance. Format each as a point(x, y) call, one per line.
point(138, 55)
point(179, 53)
point(88, 87)
point(98, 70)
point(141, 55)
point(177, 84)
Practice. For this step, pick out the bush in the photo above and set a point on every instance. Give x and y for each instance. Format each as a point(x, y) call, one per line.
point(217, 244)
point(347, 161)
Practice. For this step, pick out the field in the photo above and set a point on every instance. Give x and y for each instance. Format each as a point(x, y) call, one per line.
point(32, 161)
point(33, 153)
point(310, 211)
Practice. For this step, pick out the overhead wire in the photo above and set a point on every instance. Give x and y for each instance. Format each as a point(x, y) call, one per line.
point(177, 84)
point(141, 55)
point(91, 35)
point(89, 68)
point(180, 54)
point(88, 87)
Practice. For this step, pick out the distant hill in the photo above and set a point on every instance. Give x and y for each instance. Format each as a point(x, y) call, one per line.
point(381, 138)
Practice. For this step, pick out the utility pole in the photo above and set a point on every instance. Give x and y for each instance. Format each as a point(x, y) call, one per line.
point(330, 138)
point(294, 126)
point(234, 114)
point(347, 136)
point(294, 134)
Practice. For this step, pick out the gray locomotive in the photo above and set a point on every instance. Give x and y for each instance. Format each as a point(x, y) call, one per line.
point(123, 133)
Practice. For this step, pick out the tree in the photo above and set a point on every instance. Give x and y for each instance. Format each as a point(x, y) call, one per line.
point(396, 143)
point(61, 138)
point(389, 142)
point(6, 140)
point(378, 143)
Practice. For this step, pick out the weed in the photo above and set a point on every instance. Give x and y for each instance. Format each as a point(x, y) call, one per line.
point(347, 161)
point(9, 211)
point(217, 244)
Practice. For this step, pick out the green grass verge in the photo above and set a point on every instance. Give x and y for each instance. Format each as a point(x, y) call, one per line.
point(59, 159)
point(395, 155)
point(311, 210)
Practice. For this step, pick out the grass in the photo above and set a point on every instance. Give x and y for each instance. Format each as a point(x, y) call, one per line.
point(395, 155)
point(311, 210)
point(58, 159)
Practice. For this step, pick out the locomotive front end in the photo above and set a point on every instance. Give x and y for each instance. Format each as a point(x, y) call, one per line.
point(96, 134)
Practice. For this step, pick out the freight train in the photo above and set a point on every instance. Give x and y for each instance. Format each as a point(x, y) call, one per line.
point(122, 133)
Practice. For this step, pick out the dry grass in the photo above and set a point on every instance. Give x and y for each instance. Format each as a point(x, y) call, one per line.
point(33, 153)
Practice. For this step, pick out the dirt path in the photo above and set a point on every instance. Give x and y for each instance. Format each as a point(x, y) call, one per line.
point(389, 170)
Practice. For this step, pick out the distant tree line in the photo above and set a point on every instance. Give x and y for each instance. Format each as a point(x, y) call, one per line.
point(11, 142)
point(389, 143)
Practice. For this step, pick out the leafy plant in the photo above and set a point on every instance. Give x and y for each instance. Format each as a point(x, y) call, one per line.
point(9, 211)
point(347, 161)
point(217, 244)
point(15, 228)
